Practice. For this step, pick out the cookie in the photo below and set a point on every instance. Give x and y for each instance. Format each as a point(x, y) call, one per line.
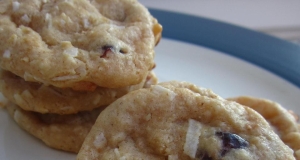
point(192, 87)
point(63, 132)
point(37, 97)
point(78, 43)
point(151, 80)
point(283, 122)
point(177, 123)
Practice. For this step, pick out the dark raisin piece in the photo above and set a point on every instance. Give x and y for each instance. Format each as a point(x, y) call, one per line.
point(106, 49)
point(109, 48)
point(231, 141)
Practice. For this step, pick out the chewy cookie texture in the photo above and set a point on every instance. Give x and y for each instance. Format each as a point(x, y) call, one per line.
point(284, 122)
point(78, 43)
point(63, 132)
point(60, 131)
point(63, 61)
point(79, 76)
point(179, 121)
point(40, 98)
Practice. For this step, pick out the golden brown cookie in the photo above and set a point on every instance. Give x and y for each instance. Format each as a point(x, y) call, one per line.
point(151, 80)
point(187, 85)
point(283, 122)
point(37, 97)
point(78, 43)
point(160, 123)
point(63, 132)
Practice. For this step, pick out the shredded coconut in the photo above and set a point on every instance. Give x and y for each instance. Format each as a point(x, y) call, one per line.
point(81, 70)
point(6, 54)
point(192, 138)
point(86, 23)
point(15, 5)
point(25, 18)
point(48, 19)
point(72, 51)
point(100, 141)
point(159, 90)
point(64, 78)
point(116, 150)
point(172, 157)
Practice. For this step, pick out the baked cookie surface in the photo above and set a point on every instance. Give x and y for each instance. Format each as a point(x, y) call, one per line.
point(178, 123)
point(78, 43)
point(283, 122)
point(32, 96)
point(63, 132)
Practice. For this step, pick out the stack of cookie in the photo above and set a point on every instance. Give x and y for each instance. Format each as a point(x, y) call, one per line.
point(63, 61)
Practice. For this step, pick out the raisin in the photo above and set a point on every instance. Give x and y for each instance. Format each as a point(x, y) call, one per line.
point(231, 141)
point(109, 48)
point(106, 49)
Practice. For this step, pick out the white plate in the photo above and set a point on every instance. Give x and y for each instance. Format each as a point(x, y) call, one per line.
point(177, 60)
point(226, 75)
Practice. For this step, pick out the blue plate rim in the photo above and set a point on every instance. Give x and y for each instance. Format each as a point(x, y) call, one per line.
point(273, 54)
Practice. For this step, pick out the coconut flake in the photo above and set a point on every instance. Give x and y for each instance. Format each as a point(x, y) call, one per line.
point(100, 141)
point(86, 23)
point(48, 19)
point(116, 150)
point(172, 157)
point(63, 78)
point(192, 138)
point(6, 54)
point(25, 18)
point(160, 89)
point(15, 5)
point(81, 70)
point(72, 51)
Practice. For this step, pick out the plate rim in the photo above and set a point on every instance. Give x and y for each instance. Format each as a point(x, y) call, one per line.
point(273, 54)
